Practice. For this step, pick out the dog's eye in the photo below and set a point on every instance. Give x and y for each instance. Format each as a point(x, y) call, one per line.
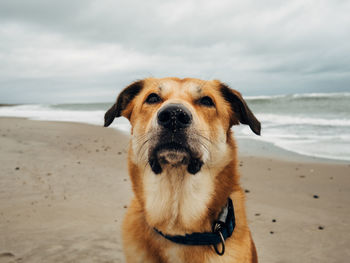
point(153, 98)
point(206, 101)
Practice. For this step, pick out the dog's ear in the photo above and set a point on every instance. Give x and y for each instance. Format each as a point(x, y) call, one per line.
point(241, 111)
point(123, 100)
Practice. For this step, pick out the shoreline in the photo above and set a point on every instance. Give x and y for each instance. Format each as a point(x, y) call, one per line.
point(269, 150)
point(64, 190)
point(309, 132)
point(246, 146)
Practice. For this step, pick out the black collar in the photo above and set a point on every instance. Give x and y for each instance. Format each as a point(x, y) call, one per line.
point(221, 230)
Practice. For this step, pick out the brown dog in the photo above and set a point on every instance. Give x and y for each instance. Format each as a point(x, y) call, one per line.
point(183, 168)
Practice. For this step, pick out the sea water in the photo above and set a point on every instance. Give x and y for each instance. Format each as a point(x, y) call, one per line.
point(316, 125)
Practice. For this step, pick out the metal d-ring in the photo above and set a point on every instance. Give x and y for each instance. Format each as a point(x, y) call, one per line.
point(217, 230)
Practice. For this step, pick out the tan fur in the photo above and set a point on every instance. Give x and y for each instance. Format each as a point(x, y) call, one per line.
point(176, 202)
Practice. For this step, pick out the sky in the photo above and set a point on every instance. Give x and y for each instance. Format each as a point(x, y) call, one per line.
point(87, 51)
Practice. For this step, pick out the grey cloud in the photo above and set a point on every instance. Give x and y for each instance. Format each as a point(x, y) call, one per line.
point(263, 46)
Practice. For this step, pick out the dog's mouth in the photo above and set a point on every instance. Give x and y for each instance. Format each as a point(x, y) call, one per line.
point(174, 155)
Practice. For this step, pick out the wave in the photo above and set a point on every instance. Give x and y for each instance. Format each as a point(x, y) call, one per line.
point(297, 96)
point(312, 148)
point(45, 112)
point(319, 146)
point(322, 95)
point(273, 119)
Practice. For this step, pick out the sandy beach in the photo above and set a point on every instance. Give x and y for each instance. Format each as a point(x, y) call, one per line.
point(64, 189)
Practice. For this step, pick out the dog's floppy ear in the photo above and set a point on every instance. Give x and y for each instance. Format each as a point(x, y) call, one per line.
point(124, 98)
point(240, 109)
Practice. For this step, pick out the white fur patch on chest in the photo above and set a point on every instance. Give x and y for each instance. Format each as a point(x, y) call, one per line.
point(175, 196)
point(175, 254)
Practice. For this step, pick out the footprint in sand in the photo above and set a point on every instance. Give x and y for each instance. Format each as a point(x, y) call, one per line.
point(7, 255)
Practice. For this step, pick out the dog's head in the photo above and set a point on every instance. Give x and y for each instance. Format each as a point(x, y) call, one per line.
point(181, 123)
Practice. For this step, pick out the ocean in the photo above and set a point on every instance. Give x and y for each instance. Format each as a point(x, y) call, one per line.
point(316, 125)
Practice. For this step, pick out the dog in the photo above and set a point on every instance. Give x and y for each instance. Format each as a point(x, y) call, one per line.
point(188, 205)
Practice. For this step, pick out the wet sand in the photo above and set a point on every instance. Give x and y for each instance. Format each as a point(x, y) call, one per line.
point(64, 189)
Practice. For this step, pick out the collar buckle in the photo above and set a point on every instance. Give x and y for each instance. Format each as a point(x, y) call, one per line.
point(217, 229)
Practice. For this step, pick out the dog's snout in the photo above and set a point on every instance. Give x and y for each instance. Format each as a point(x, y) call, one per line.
point(174, 116)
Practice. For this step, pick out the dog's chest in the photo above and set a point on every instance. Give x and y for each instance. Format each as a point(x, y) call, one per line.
point(177, 198)
point(176, 254)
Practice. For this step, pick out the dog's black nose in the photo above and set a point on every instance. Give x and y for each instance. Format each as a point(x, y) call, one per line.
point(174, 116)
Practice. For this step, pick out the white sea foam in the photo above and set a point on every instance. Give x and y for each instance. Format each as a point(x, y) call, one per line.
point(264, 97)
point(45, 112)
point(336, 146)
point(321, 95)
point(300, 96)
point(301, 120)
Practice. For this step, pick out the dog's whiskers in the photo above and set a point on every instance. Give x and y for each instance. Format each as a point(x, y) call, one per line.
point(142, 139)
point(142, 152)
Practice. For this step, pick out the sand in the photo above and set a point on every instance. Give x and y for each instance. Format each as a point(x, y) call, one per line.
point(64, 189)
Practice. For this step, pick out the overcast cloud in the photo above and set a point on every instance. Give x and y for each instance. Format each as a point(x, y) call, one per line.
point(85, 50)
